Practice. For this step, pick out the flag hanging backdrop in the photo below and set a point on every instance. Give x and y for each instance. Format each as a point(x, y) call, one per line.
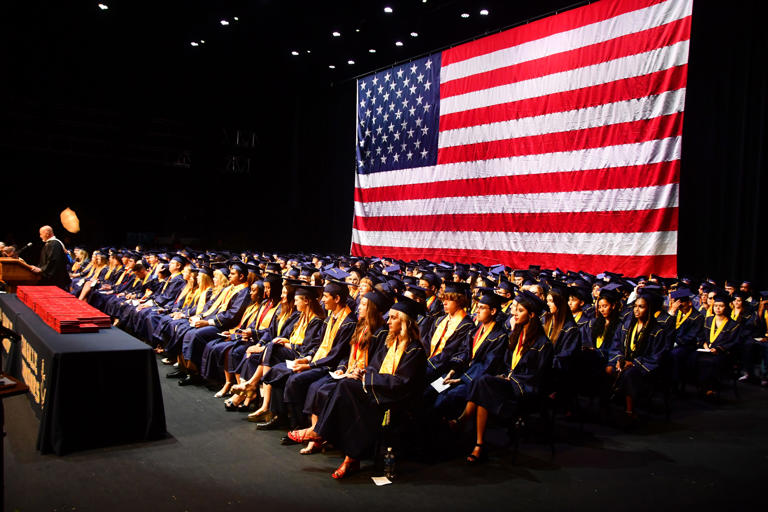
point(555, 143)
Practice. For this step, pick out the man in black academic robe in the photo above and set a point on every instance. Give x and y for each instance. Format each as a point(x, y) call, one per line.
point(53, 261)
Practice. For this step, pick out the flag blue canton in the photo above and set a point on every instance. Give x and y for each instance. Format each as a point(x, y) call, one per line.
point(397, 117)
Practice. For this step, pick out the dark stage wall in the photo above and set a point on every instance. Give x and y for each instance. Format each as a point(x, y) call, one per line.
point(145, 148)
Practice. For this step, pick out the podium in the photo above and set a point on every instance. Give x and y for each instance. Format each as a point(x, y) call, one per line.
point(15, 272)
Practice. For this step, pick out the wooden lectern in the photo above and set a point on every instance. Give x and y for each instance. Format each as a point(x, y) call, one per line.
point(15, 272)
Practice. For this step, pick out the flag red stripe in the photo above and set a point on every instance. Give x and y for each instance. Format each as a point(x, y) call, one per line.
point(563, 22)
point(622, 133)
point(631, 44)
point(641, 221)
point(662, 173)
point(620, 90)
point(628, 265)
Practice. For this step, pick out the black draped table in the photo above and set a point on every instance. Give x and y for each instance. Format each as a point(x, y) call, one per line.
point(88, 389)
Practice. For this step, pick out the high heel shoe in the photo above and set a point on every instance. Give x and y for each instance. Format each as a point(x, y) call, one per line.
point(473, 459)
point(347, 468)
point(312, 447)
point(224, 391)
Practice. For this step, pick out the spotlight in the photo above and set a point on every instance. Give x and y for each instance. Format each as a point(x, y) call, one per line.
point(414, 34)
point(336, 34)
point(331, 66)
point(350, 61)
point(309, 51)
point(236, 18)
point(224, 23)
point(483, 12)
point(202, 41)
point(465, 15)
point(388, 10)
point(103, 7)
point(193, 43)
point(372, 50)
point(294, 52)
point(398, 43)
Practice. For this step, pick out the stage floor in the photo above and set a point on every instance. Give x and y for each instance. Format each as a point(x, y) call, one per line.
point(708, 456)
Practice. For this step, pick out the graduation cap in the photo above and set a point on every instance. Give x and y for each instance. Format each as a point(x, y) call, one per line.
point(531, 302)
point(337, 287)
point(222, 270)
point(740, 294)
point(305, 290)
point(682, 294)
point(417, 291)
point(721, 296)
point(457, 287)
point(490, 299)
point(273, 279)
point(336, 273)
point(580, 292)
point(205, 270)
point(408, 306)
point(239, 266)
point(272, 267)
point(610, 292)
point(392, 269)
point(292, 272)
point(507, 286)
point(443, 273)
point(431, 278)
point(382, 301)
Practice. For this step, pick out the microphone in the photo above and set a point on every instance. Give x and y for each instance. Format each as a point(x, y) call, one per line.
point(25, 248)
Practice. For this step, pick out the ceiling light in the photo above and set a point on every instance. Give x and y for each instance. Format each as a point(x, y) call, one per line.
point(331, 66)
point(294, 52)
point(236, 18)
point(309, 51)
point(372, 50)
point(357, 30)
point(336, 34)
point(103, 7)
point(483, 12)
point(350, 61)
point(193, 43)
point(414, 34)
point(224, 23)
point(202, 41)
point(388, 10)
point(398, 43)
point(465, 15)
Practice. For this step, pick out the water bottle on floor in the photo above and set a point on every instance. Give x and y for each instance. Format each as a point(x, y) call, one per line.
point(389, 464)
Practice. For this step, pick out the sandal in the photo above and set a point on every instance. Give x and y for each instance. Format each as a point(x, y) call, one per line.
point(224, 391)
point(303, 436)
point(476, 459)
point(347, 468)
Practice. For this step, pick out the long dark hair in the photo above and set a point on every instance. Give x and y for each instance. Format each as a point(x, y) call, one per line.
point(533, 331)
point(648, 327)
point(599, 327)
point(373, 320)
point(554, 322)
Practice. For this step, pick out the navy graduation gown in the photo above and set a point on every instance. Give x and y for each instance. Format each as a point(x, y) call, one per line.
point(439, 364)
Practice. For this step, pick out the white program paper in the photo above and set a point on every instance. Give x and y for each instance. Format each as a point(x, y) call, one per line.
point(440, 385)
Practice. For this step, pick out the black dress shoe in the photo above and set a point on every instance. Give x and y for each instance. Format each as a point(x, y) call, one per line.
point(272, 424)
point(192, 379)
point(285, 440)
point(176, 374)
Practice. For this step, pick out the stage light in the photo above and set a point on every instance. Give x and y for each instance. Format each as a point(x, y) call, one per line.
point(414, 34)
point(357, 30)
point(483, 12)
point(224, 23)
point(236, 18)
point(103, 7)
point(398, 43)
point(202, 41)
point(294, 52)
point(372, 50)
point(331, 66)
point(309, 51)
point(388, 10)
point(350, 62)
point(193, 43)
point(336, 34)
point(465, 15)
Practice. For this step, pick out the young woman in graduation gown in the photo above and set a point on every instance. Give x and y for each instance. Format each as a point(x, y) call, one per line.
point(689, 328)
point(636, 353)
point(448, 332)
point(561, 330)
point(596, 342)
point(481, 350)
point(517, 380)
point(370, 334)
point(394, 379)
point(719, 343)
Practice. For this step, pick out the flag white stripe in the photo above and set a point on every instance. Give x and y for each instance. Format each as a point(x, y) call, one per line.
point(617, 69)
point(649, 152)
point(619, 199)
point(602, 244)
point(648, 107)
point(618, 26)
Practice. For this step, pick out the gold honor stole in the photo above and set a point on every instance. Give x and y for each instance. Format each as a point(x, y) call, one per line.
point(120, 279)
point(392, 359)
point(281, 323)
point(680, 318)
point(330, 334)
point(518, 353)
point(485, 330)
point(297, 336)
point(734, 315)
point(219, 299)
point(632, 345)
point(448, 325)
point(714, 333)
point(267, 317)
point(250, 312)
point(358, 358)
point(168, 281)
point(228, 298)
point(577, 317)
point(430, 301)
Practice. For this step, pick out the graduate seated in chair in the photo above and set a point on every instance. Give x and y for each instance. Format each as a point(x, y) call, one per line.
point(720, 341)
point(513, 381)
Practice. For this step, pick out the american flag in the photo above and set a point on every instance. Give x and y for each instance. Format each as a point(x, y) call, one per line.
point(554, 143)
